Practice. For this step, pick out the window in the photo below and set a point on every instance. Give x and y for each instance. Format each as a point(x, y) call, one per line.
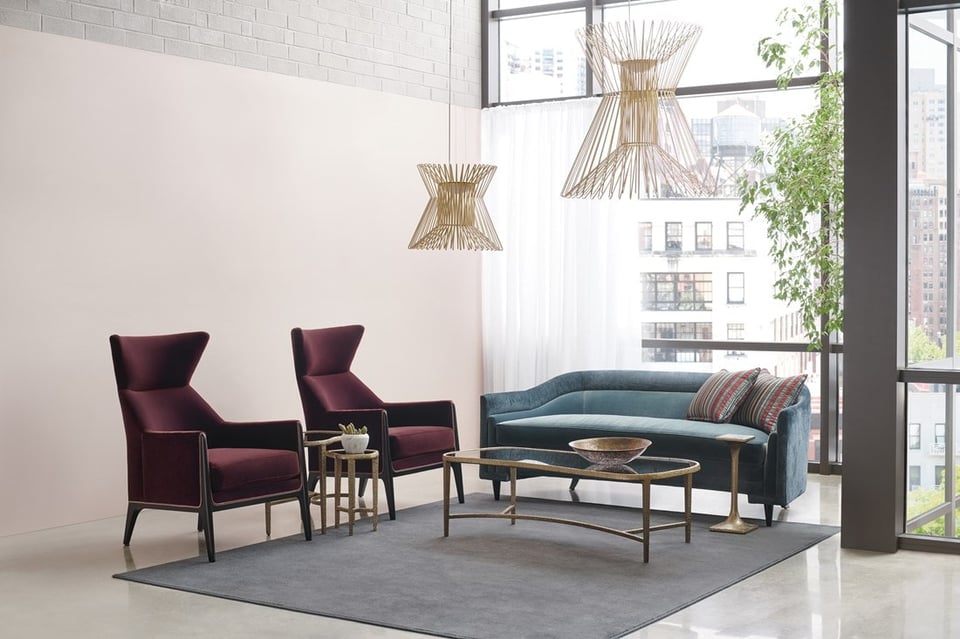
point(646, 236)
point(674, 236)
point(734, 288)
point(677, 330)
point(677, 291)
point(734, 331)
point(704, 236)
point(939, 471)
point(913, 436)
point(939, 436)
point(914, 477)
point(734, 236)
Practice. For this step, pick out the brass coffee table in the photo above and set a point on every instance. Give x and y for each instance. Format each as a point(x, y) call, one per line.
point(558, 463)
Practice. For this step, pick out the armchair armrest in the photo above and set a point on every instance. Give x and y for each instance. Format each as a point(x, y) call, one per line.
point(173, 467)
point(284, 434)
point(429, 413)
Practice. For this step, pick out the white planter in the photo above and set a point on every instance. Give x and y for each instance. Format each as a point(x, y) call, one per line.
point(354, 444)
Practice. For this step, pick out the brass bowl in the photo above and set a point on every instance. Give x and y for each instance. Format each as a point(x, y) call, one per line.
point(610, 451)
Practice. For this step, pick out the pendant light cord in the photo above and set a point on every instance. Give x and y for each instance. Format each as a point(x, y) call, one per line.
point(450, 90)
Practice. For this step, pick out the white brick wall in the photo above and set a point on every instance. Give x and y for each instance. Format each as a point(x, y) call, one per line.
point(397, 46)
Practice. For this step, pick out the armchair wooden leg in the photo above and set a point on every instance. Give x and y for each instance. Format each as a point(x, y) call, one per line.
point(574, 482)
point(206, 516)
point(363, 486)
point(266, 517)
point(388, 492)
point(199, 521)
point(305, 514)
point(132, 512)
point(458, 480)
point(496, 489)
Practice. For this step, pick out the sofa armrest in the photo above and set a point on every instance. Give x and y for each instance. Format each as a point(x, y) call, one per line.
point(785, 474)
point(518, 402)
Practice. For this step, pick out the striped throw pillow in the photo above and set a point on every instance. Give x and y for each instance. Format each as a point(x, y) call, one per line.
point(721, 395)
point(769, 396)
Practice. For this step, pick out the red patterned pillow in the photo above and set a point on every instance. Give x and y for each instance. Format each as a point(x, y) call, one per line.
point(767, 398)
point(721, 395)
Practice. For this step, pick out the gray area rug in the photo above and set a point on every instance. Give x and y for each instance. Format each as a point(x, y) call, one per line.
point(490, 579)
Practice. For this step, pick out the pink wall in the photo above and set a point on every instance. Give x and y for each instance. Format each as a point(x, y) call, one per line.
point(142, 193)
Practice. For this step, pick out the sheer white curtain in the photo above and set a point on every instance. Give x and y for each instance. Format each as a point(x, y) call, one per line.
point(564, 293)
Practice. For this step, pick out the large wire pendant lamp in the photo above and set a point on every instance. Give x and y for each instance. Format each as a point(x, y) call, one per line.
point(455, 216)
point(639, 143)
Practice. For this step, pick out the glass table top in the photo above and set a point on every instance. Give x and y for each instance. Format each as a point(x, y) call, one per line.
point(569, 462)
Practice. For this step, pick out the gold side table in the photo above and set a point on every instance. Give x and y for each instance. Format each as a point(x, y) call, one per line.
point(733, 523)
point(340, 459)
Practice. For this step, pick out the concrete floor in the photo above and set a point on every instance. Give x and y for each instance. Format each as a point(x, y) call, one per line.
point(58, 582)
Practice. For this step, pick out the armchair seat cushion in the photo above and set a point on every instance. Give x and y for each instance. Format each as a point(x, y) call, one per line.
point(233, 469)
point(411, 441)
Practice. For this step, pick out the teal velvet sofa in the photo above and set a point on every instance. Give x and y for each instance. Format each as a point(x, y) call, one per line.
point(653, 405)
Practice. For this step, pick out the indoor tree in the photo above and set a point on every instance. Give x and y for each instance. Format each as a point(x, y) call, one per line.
point(798, 188)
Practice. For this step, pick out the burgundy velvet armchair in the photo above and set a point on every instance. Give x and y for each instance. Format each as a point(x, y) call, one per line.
point(181, 455)
point(410, 436)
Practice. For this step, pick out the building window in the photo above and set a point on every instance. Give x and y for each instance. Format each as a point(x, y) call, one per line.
point(939, 436)
point(677, 330)
point(734, 331)
point(734, 288)
point(734, 236)
point(939, 474)
point(914, 477)
point(677, 291)
point(646, 236)
point(913, 436)
point(674, 236)
point(704, 236)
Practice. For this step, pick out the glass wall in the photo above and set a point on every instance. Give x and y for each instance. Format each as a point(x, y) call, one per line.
point(703, 269)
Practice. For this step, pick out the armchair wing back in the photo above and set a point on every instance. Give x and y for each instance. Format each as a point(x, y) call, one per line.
point(410, 436)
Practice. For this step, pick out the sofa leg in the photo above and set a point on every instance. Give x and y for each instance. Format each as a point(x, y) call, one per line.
point(573, 483)
point(496, 489)
point(768, 513)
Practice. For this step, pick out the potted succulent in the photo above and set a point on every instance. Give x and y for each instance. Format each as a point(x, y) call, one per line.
point(354, 440)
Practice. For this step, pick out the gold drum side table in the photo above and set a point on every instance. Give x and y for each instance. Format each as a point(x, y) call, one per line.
point(352, 509)
point(733, 523)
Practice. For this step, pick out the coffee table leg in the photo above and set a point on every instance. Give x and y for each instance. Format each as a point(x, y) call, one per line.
point(446, 498)
point(646, 521)
point(375, 477)
point(352, 489)
point(513, 495)
point(687, 499)
point(336, 492)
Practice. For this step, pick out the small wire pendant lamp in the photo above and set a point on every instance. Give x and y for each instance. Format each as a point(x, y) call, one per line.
point(455, 216)
point(639, 142)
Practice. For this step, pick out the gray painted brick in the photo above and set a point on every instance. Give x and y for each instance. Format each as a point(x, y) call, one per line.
point(393, 86)
point(347, 49)
point(312, 72)
point(436, 29)
point(240, 43)
point(251, 61)
point(410, 76)
point(217, 54)
point(241, 11)
point(420, 91)
point(308, 41)
point(143, 41)
point(302, 54)
point(106, 4)
point(303, 25)
point(94, 15)
point(386, 72)
point(383, 43)
point(410, 23)
point(360, 38)
point(417, 64)
point(419, 39)
point(178, 14)
point(341, 19)
point(134, 22)
point(382, 57)
point(101, 33)
point(206, 36)
point(289, 7)
point(147, 8)
point(332, 61)
point(207, 6)
point(181, 48)
point(366, 26)
point(171, 29)
point(268, 32)
point(59, 26)
point(398, 6)
point(385, 17)
point(317, 14)
point(416, 11)
point(19, 5)
point(272, 49)
point(55, 8)
point(226, 24)
point(360, 67)
point(287, 67)
point(259, 4)
point(342, 77)
point(272, 18)
point(333, 32)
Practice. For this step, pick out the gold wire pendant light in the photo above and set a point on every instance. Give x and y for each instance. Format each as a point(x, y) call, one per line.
point(639, 142)
point(455, 216)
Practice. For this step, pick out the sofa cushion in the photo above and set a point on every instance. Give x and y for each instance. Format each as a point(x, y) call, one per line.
point(768, 396)
point(721, 395)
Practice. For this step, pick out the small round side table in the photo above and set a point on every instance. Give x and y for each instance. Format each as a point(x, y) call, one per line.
point(733, 523)
point(340, 459)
